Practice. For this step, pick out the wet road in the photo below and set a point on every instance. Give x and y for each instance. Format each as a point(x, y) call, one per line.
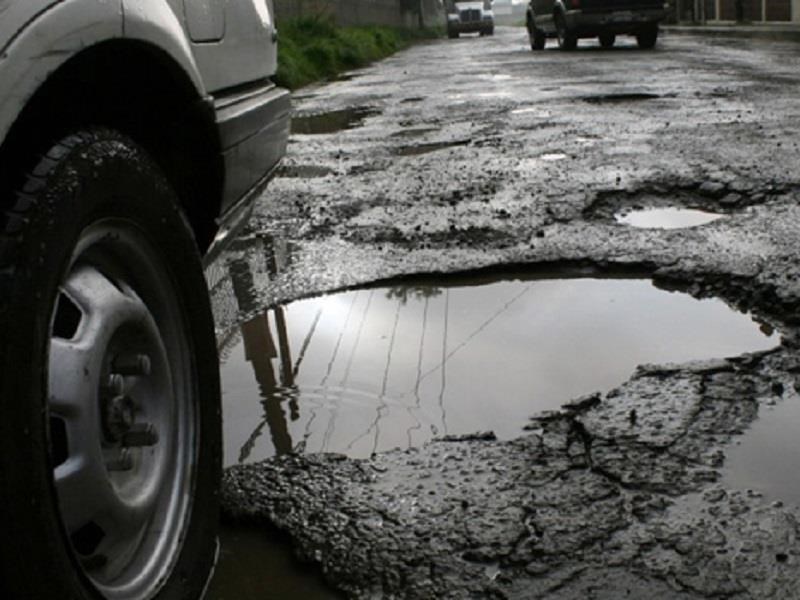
point(479, 154)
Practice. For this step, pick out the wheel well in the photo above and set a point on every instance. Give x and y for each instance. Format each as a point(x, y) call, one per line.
point(137, 89)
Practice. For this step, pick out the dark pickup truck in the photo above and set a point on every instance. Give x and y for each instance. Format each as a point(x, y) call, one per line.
point(569, 20)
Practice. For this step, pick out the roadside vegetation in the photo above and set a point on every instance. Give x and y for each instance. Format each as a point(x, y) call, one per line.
point(314, 48)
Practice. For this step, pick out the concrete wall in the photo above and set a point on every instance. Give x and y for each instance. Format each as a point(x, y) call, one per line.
point(398, 13)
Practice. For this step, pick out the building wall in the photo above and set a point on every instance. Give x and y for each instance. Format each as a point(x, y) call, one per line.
point(756, 11)
point(397, 13)
point(748, 11)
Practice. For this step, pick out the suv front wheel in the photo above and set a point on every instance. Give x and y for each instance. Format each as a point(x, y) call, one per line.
point(109, 384)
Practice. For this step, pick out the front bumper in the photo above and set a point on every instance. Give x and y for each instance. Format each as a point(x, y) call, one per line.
point(619, 21)
point(459, 26)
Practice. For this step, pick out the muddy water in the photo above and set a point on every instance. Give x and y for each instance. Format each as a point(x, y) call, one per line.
point(373, 369)
point(257, 566)
point(331, 122)
point(666, 218)
point(766, 458)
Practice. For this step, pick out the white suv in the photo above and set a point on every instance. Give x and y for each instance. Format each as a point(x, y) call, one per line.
point(133, 136)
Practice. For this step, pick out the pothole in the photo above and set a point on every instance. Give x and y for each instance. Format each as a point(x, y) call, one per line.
point(621, 97)
point(411, 133)
point(333, 121)
point(765, 458)
point(305, 171)
point(418, 149)
point(372, 369)
point(686, 203)
point(665, 218)
point(254, 563)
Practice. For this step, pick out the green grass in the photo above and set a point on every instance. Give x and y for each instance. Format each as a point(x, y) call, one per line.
point(314, 48)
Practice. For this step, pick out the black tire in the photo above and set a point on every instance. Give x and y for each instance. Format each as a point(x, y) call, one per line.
point(452, 34)
point(646, 38)
point(607, 40)
point(567, 40)
point(536, 36)
point(96, 211)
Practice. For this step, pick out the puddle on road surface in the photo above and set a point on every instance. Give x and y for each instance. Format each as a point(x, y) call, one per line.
point(254, 565)
point(333, 121)
point(765, 459)
point(622, 97)
point(419, 149)
point(553, 156)
point(305, 171)
point(372, 369)
point(666, 218)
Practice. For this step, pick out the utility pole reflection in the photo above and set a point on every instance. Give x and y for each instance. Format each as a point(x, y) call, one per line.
point(259, 350)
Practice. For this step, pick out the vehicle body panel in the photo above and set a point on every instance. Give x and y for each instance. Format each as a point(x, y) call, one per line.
point(70, 26)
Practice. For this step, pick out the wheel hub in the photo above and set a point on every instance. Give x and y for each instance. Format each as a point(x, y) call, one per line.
point(119, 413)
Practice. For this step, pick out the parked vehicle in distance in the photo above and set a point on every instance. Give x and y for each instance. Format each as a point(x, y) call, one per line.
point(474, 16)
point(134, 135)
point(570, 20)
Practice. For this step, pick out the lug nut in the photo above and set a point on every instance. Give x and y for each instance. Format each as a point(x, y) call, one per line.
point(115, 386)
point(132, 365)
point(140, 434)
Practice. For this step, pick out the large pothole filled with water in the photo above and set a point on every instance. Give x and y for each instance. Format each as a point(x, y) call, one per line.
point(368, 370)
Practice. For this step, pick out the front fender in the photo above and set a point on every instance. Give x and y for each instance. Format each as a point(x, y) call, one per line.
point(38, 36)
point(160, 23)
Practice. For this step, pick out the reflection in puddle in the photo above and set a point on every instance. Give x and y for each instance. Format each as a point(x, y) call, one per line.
point(766, 459)
point(666, 218)
point(372, 369)
point(333, 121)
point(254, 565)
point(553, 156)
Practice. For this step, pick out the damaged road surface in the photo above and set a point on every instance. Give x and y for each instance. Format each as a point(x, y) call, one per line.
point(677, 479)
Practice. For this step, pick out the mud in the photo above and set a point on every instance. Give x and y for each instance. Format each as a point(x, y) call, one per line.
point(627, 493)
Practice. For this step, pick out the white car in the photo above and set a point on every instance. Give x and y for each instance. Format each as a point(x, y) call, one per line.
point(134, 135)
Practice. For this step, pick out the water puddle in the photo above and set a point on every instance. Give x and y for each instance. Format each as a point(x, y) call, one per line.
point(333, 121)
point(666, 218)
point(419, 149)
point(617, 98)
point(305, 171)
point(553, 156)
point(766, 457)
point(411, 133)
point(255, 565)
point(372, 369)
point(532, 111)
